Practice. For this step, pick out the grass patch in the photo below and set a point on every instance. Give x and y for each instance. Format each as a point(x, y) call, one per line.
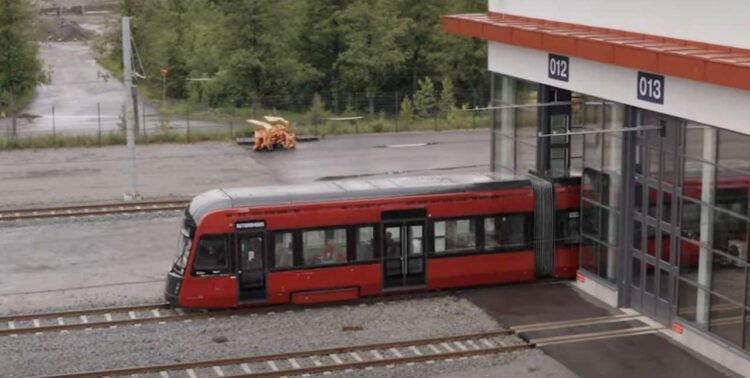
point(457, 119)
point(382, 124)
point(113, 67)
point(118, 138)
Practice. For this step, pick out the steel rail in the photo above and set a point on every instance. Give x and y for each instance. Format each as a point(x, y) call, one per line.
point(93, 311)
point(389, 361)
point(109, 322)
point(91, 209)
point(323, 352)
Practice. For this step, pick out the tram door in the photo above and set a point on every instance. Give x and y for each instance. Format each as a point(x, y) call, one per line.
point(250, 266)
point(403, 254)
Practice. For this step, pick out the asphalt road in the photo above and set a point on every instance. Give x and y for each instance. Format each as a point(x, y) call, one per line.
point(55, 176)
point(77, 85)
point(82, 97)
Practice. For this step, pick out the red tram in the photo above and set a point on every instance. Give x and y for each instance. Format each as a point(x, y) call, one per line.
point(343, 240)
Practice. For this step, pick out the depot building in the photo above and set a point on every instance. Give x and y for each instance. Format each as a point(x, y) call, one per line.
point(651, 108)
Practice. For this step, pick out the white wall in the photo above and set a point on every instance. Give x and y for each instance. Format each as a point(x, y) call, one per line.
point(705, 103)
point(722, 22)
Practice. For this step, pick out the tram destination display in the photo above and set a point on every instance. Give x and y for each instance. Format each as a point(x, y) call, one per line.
point(249, 225)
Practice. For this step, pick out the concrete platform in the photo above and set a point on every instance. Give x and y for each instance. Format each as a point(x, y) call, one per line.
point(651, 355)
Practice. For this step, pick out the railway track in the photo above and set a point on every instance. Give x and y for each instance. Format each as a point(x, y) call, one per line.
point(369, 356)
point(94, 318)
point(112, 317)
point(332, 359)
point(91, 209)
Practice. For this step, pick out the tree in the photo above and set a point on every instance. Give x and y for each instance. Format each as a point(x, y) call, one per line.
point(425, 103)
point(371, 52)
point(261, 61)
point(278, 54)
point(317, 113)
point(321, 43)
point(447, 98)
point(20, 68)
point(424, 28)
point(406, 112)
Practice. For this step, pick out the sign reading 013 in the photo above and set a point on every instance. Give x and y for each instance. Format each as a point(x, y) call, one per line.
point(651, 87)
point(251, 225)
point(558, 67)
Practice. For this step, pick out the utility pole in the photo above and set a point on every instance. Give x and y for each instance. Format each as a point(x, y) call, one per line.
point(129, 106)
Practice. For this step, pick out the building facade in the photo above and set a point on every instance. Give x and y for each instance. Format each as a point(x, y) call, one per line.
point(651, 109)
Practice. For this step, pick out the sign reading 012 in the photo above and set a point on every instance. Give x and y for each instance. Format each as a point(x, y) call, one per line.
point(558, 67)
point(651, 87)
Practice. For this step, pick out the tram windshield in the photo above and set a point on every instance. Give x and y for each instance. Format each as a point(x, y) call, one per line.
point(183, 250)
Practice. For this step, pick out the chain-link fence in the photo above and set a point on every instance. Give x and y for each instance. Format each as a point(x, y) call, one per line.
point(73, 123)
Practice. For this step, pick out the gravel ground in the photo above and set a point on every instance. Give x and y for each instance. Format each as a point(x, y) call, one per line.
point(86, 262)
point(313, 328)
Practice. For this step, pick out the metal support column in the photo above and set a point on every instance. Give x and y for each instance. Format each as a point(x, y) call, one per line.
point(708, 199)
point(129, 106)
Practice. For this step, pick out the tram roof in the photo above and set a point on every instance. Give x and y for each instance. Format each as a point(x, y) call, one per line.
point(349, 189)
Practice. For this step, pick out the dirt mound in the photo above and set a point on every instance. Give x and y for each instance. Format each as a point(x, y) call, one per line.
point(59, 29)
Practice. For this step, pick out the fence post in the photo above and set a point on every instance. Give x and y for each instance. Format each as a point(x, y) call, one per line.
point(434, 118)
point(143, 108)
point(99, 124)
point(231, 128)
point(398, 110)
point(188, 127)
point(474, 118)
point(54, 131)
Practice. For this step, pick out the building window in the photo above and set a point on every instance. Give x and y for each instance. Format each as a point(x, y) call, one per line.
point(714, 283)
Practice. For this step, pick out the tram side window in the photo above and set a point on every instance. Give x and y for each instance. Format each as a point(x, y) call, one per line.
point(365, 243)
point(212, 256)
point(456, 235)
point(283, 249)
point(323, 247)
point(568, 227)
point(506, 231)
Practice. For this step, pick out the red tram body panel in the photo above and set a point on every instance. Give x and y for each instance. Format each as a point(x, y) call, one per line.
point(365, 277)
point(567, 201)
point(338, 241)
point(481, 270)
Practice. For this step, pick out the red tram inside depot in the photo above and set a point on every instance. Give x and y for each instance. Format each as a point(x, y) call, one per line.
point(331, 241)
